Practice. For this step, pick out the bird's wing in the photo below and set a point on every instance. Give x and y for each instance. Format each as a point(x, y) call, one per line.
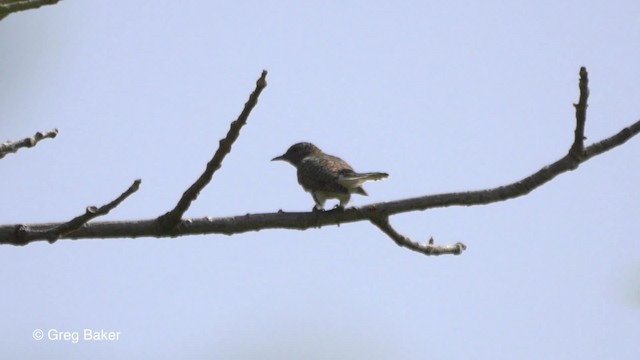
point(320, 173)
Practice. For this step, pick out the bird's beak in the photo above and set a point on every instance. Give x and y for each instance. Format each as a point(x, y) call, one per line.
point(278, 158)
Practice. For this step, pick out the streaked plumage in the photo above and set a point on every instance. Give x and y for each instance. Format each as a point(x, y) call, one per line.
point(326, 176)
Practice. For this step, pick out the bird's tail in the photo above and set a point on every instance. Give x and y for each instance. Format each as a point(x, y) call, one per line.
point(354, 180)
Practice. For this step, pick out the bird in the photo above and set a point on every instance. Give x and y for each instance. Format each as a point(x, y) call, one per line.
point(326, 176)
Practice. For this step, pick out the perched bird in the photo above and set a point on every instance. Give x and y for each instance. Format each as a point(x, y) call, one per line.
point(326, 176)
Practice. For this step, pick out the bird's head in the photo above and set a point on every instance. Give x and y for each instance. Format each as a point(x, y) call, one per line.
point(297, 152)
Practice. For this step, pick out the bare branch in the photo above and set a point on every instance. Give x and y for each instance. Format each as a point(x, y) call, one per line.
point(23, 233)
point(11, 147)
point(382, 222)
point(377, 213)
point(171, 218)
point(10, 6)
point(577, 149)
point(306, 220)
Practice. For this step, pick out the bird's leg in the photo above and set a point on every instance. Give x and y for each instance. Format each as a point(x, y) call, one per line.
point(344, 200)
point(319, 200)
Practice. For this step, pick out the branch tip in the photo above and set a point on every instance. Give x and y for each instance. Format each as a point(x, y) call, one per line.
point(262, 81)
point(382, 222)
point(13, 146)
point(577, 148)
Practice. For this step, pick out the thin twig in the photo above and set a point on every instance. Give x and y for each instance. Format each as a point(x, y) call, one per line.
point(54, 233)
point(171, 218)
point(577, 148)
point(13, 146)
point(382, 222)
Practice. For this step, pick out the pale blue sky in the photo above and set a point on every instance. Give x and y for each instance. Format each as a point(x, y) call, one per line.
point(443, 96)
